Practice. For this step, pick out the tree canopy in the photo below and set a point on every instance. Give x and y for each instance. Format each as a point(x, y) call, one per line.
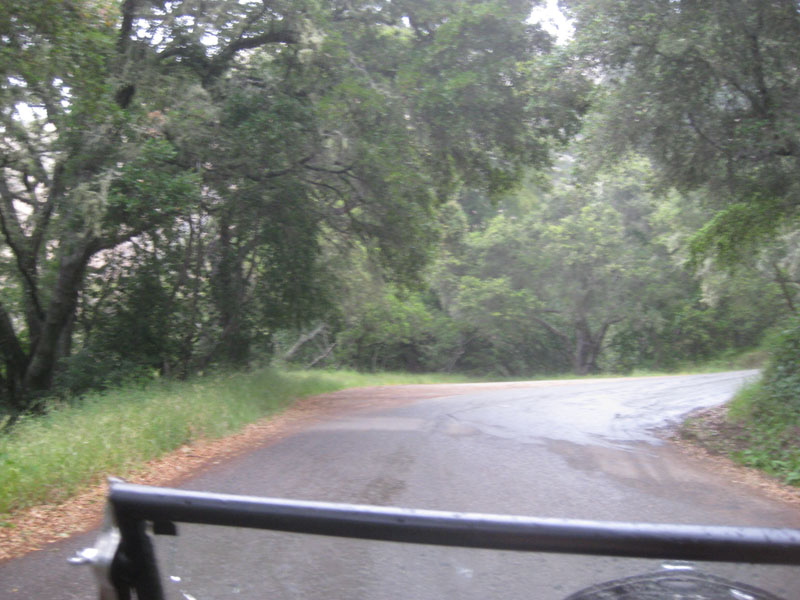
point(172, 170)
point(710, 92)
point(411, 184)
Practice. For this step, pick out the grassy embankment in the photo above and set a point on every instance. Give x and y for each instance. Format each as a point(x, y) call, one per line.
point(49, 458)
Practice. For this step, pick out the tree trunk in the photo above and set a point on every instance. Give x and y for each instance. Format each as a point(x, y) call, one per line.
point(588, 346)
point(233, 346)
point(585, 357)
point(44, 354)
point(15, 361)
point(783, 282)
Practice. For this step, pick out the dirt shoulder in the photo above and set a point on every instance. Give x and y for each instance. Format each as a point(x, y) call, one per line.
point(708, 435)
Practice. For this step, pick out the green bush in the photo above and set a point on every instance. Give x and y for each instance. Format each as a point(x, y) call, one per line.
point(89, 370)
point(771, 409)
point(782, 375)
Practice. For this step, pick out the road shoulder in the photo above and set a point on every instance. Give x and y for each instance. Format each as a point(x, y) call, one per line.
point(708, 436)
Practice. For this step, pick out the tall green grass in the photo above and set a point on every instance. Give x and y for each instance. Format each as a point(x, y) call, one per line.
point(48, 458)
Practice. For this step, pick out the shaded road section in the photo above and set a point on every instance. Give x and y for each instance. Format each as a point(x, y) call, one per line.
point(575, 449)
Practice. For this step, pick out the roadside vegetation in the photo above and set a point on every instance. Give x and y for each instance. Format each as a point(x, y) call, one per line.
point(761, 426)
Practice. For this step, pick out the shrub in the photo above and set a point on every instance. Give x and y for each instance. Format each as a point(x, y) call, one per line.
point(771, 409)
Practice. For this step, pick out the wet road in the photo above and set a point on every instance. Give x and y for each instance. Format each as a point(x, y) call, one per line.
point(574, 449)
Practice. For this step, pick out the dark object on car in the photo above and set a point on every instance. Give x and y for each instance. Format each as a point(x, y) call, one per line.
point(124, 561)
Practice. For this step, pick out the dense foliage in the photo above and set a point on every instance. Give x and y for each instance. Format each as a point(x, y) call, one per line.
point(575, 279)
point(173, 173)
point(394, 184)
point(766, 415)
point(709, 91)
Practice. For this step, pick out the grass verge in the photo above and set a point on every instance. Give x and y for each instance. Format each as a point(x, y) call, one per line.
point(49, 458)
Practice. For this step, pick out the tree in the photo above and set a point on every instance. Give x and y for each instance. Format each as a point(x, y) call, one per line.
point(582, 266)
point(710, 92)
point(207, 151)
point(96, 152)
point(81, 174)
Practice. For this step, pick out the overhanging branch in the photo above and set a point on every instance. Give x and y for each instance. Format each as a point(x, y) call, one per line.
point(219, 63)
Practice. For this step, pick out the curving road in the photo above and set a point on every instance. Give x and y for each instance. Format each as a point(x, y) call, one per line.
point(575, 449)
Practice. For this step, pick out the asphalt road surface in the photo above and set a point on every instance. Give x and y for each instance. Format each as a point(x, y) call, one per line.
point(574, 449)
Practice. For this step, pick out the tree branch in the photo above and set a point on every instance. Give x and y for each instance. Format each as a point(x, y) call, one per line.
point(559, 334)
point(303, 339)
point(10, 347)
point(220, 61)
point(322, 356)
point(14, 237)
point(703, 135)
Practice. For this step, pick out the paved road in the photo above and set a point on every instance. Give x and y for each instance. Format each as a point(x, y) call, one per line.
point(576, 449)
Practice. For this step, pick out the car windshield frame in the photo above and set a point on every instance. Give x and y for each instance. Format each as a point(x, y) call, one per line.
point(123, 558)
